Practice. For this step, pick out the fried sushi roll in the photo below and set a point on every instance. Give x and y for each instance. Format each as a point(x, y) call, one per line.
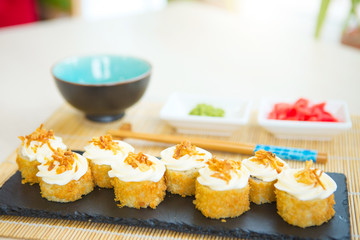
point(183, 162)
point(222, 189)
point(102, 152)
point(65, 177)
point(264, 168)
point(34, 149)
point(305, 197)
point(139, 181)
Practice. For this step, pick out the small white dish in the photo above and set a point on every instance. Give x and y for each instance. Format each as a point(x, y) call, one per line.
point(177, 108)
point(306, 130)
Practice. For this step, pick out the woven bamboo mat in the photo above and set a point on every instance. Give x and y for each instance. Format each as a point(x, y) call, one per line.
point(76, 131)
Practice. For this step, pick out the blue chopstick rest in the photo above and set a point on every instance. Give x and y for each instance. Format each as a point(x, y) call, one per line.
point(289, 153)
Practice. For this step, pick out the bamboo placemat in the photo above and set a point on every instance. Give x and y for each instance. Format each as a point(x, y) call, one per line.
point(76, 131)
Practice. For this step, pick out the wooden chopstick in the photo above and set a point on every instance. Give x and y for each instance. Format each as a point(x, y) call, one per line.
point(213, 144)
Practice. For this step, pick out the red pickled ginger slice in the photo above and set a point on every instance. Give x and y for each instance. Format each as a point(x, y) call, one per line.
point(301, 111)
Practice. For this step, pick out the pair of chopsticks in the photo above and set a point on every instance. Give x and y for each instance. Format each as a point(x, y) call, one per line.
point(226, 146)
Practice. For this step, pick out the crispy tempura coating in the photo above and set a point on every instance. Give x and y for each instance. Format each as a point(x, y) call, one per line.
point(139, 194)
point(100, 174)
point(69, 192)
point(28, 170)
point(261, 191)
point(181, 182)
point(304, 213)
point(221, 204)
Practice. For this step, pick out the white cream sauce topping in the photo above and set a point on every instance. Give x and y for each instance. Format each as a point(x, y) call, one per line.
point(186, 162)
point(107, 157)
point(239, 179)
point(287, 183)
point(79, 168)
point(261, 171)
point(39, 151)
point(127, 173)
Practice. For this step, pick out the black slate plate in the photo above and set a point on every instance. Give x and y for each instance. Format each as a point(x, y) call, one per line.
point(174, 213)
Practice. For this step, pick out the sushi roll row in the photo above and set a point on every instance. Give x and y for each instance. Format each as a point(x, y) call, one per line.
point(222, 188)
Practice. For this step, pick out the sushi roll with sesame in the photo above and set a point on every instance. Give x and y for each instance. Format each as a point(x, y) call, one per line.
point(65, 177)
point(34, 149)
point(305, 197)
point(139, 181)
point(102, 152)
point(222, 189)
point(183, 162)
point(264, 168)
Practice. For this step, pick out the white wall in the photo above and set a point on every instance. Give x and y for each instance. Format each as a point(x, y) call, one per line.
point(95, 9)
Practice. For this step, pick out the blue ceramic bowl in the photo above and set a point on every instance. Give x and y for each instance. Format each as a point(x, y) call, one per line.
point(102, 86)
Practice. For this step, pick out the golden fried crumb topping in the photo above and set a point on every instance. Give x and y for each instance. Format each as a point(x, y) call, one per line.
point(64, 160)
point(106, 142)
point(186, 148)
point(139, 160)
point(268, 158)
point(40, 135)
point(223, 168)
point(309, 176)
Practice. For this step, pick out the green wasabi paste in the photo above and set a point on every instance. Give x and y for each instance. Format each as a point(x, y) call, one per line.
point(207, 110)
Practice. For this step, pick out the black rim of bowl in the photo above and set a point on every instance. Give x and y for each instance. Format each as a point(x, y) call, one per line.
point(142, 76)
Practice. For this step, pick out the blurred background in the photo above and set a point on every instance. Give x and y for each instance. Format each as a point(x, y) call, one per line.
point(328, 20)
point(247, 48)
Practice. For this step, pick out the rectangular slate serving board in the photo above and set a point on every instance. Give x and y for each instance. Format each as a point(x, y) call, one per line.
point(174, 213)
